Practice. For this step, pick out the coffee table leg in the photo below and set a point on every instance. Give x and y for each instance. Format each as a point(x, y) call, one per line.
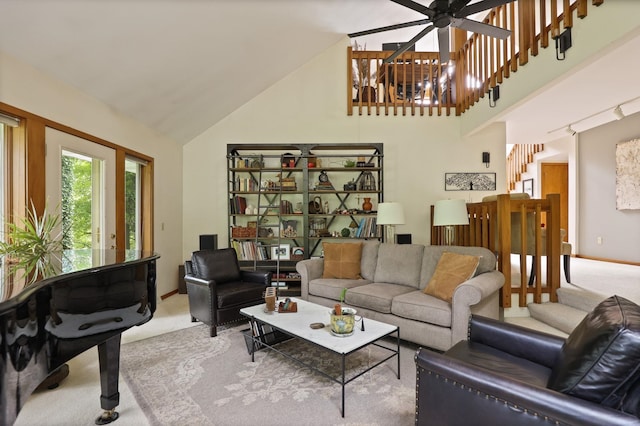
point(398, 349)
point(343, 368)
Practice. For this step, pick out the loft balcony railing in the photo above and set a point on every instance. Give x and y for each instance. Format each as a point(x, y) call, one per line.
point(416, 83)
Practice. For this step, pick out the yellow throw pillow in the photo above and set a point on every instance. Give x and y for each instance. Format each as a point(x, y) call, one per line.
point(452, 270)
point(342, 260)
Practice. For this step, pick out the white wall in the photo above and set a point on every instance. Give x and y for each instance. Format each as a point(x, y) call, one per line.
point(309, 106)
point(24, 87)
point(619, 229)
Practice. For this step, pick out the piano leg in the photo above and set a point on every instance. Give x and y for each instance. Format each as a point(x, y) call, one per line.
point(109, 358)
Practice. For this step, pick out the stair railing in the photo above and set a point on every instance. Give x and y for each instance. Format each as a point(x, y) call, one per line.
point(518, 158)
point(490, 226)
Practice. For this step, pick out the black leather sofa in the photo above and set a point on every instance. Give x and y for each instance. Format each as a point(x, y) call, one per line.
point(217, 288)
point(505, 374)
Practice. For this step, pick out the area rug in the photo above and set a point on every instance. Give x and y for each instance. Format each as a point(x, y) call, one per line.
point(188, 378)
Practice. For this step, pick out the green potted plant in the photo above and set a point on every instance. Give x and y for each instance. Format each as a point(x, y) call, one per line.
point(33, 246)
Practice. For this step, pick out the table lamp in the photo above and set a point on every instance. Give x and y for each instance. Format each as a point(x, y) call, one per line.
point(390, 214)
point(449, 213)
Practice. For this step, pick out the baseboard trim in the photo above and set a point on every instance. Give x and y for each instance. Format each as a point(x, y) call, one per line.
point(171, 293)
point(601, 259)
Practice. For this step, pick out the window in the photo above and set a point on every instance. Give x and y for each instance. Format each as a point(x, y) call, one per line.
point(77, 190)
point(132, 201)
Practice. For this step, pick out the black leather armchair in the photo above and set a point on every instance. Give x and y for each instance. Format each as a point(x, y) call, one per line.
point(499, 376)
point(217, 288)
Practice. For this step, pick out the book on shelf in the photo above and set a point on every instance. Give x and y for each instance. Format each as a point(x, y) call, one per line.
point(238, 205)
point(245, 184)
point(367, 228)
point(286, 207)
point(250, 250)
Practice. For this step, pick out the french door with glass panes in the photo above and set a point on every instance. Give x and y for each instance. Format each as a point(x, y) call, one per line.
point(80, 183)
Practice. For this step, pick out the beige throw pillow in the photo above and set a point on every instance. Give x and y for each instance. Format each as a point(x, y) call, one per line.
point(452, 270)
point(342, 260)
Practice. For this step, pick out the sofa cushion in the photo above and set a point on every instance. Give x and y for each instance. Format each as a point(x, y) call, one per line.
point(342, 260)
point(418, 306)
point(399, 264)
point(331, 288)
point(375, 296)
point(453, 269)
point(600, 360)
point(631, 403)
point(369, 259)
point(432, 256)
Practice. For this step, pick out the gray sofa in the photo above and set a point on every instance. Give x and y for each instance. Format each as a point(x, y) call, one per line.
point(391, 291)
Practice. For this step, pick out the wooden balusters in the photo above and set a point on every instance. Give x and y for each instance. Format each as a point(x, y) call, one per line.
point(480, 63)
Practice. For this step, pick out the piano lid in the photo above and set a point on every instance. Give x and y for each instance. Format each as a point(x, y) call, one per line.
point(66, 263)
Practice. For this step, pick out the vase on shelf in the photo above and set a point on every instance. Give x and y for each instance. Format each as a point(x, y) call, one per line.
point(367, 206)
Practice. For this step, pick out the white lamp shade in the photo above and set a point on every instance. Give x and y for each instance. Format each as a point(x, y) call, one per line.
point(450, 212)
point(390, 214)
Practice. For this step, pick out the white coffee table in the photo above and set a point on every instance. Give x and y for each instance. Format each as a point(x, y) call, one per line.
point(297, 325)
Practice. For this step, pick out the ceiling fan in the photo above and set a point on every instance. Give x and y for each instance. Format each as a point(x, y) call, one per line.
point(441, 14)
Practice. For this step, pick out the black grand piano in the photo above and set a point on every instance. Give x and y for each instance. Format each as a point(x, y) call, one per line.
point(96, 295)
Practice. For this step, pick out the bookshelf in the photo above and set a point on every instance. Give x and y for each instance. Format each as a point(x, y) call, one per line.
point(285, 200)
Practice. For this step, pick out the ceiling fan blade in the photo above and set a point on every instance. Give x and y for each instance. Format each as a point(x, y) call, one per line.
point(417, 7)
point(479, 7)
point(408, 44)
point(480, 27)
point(389, 28)
point(457, 5)
point(443, 43)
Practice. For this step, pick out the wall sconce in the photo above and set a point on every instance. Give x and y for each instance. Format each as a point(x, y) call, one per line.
point(617, 111)
point(486, 159)
point(494, 95)
point(563, 43)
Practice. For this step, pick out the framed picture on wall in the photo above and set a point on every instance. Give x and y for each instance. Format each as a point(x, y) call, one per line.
point(527, 187)
point(469, 181)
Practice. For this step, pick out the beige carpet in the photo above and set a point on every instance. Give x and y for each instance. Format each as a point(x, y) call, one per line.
point(186, 377)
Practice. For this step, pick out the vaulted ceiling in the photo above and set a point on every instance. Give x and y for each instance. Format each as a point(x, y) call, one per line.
point(180, 66)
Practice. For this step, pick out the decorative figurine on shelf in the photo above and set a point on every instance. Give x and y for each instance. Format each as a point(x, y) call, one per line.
point(323, 182)
point(367, 182)
point(350, 186)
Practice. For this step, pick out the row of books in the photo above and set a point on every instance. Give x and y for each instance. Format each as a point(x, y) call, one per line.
point(249, 250)
point(286, 207)
point(245, 184)
point(238, 205)
point(367, 228)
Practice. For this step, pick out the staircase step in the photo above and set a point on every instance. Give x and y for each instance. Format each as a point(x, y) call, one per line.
point(579, 298)
point(534, 324)
point(557, 315)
